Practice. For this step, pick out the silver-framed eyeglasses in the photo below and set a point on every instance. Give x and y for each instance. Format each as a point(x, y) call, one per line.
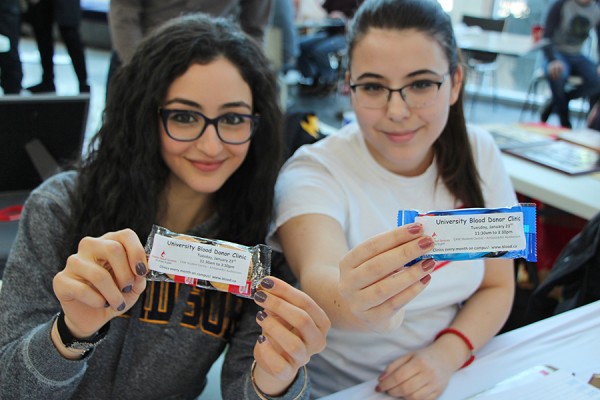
point(418, 94)
point(189, 125)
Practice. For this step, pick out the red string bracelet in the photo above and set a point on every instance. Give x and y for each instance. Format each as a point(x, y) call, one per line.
point(463, 338)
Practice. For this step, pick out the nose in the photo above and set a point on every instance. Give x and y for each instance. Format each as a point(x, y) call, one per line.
point(397, 107)
point(209, 143)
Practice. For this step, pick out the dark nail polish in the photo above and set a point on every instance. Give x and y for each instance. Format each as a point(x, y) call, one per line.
point(127, 289)
point(261, 339)
point(414, 229)
point(121, 307)
point(267, 283)
point(425, 280)
point(428, 264)
point(140, 269)
point(261, 315)
point(106, 305)
point(377, 389)
point(425, 243)
point(260, 296)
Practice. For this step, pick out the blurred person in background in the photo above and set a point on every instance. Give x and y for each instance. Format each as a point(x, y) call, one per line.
point(568, 25)
point(11, 72)
point(131, 20)
point(43, 14)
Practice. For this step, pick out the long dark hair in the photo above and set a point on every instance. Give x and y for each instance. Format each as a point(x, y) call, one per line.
point(453, 153)
point(121, 182)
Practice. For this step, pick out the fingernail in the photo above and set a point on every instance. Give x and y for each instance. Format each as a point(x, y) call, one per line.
point(377, 389)
point(121, 307)
point(106, 305)
point(261, 315)
point(260, 296)
point(425, 279)
point(428, 264)
point(414, 229)
point(380, 377)
point(425, 243)
point(261, 339)
point(140, 269)
point(267, 283)
point(127, 289)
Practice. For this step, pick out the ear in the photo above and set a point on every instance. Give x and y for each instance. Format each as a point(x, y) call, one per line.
point(457, 82)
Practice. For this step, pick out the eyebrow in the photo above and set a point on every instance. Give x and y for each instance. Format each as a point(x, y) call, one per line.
point(191, 103)
point(410, 75)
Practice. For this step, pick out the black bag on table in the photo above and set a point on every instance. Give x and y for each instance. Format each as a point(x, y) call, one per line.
point(577, 273)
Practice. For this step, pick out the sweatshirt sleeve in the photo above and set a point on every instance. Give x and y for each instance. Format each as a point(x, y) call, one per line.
point(236, 382)
point(598, 40)
point(30, 365)
point(550, 27)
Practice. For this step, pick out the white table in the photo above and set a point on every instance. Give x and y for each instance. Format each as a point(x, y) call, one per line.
point(504, 43)
point(568, 341)
point(4, 44)
point(575, 194)
point(578, 195)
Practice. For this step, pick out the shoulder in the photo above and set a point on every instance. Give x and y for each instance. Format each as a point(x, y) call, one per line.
point(54, 194)
point(333, 148)
point(496, 185)
point(480, 138)
point(58, 187)
point(325, 159)
point(557, 6)
point(483, 146)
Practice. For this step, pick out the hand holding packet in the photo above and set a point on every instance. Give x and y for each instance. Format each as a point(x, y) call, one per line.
point(472, 233)
point(206, 263)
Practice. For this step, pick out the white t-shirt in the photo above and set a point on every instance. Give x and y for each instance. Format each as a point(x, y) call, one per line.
point(338, 177)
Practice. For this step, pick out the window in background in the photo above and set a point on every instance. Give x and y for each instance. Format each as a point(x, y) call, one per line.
point(447, 5)
point(514, 8)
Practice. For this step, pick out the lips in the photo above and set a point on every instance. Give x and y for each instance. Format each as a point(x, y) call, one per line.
point(207, 166)
point(400, 137)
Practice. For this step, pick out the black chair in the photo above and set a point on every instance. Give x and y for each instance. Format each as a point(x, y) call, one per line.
point(534, 91)
point(38, 135)
point(482, 63)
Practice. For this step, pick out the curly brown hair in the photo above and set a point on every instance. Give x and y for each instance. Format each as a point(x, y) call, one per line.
point(122, 179)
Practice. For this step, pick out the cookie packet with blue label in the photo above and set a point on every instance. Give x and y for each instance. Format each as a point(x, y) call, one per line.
point(206, 263)
point(473, 233)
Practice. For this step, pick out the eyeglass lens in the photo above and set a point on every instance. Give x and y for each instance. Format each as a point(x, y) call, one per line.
point(419, 94)
point(189, 125)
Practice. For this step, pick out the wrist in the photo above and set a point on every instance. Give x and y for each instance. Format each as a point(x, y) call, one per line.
point(452, 335)
point(64, 351)
point(267, 386)
point(71, 346)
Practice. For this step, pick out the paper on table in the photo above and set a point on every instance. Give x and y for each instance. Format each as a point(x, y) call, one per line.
point(363, 391)
point(558, 385)
point(584, 137)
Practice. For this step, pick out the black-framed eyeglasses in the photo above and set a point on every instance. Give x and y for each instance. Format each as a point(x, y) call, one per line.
point(188, 125)
point(418, 94)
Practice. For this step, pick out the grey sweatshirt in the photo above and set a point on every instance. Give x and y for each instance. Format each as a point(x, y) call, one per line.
point(568, 25)
point(161, 349)
point(132, 20)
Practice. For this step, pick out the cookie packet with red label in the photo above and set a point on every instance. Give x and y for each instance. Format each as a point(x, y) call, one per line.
point(206, 263)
